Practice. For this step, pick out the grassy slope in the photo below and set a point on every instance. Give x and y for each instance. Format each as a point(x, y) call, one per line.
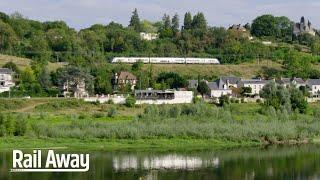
point(23, 62)
point(245, 70)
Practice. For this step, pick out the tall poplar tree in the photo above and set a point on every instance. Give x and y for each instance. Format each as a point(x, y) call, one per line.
point(187, 24)
point(135, 21)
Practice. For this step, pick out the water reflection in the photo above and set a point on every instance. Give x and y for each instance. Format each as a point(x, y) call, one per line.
point(299, 162)
point(171, 161)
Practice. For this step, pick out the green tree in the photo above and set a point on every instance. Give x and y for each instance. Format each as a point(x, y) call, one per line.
point(224, 100)
point(175, 23)
point(245, 90)
point(137, 66)
point(297, 65)
point(203, 88)
point(315, 47)
point(173, 80)
point(265, 25)
point(187, 23)
point(8, 38)
point(27, 76)
point(298, 100)
point(135, 21)
point(199, 21)
point(276, 96)
point(11, 65)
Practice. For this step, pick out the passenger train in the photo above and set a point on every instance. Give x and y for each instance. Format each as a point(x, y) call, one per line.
point(165, 60)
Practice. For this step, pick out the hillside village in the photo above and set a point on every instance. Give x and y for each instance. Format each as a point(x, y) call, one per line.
point(236, 88)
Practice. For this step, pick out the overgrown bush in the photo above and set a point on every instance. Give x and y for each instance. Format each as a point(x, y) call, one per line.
point(112, 111)
point(130, 101)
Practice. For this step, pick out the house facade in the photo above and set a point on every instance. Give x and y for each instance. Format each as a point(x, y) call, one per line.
point(122, 79)
point(256, 85)
point(75, 88)
point(314, 87)
point(219, 88)
point(6, 79)
point(296, 82)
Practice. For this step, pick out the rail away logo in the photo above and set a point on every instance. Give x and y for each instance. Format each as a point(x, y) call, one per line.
point(49, 162)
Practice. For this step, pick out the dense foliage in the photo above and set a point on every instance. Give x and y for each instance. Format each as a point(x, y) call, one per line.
point(56, 41)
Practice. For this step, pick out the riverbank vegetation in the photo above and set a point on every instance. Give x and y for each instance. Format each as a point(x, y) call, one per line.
point(233, 124)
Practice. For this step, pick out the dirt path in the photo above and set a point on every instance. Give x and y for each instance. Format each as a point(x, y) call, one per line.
point(30, 107)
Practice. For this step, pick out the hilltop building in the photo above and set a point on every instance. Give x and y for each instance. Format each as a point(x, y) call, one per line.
point(6, 79)
point(237, 27)
point(149, 36)
point(304, 26)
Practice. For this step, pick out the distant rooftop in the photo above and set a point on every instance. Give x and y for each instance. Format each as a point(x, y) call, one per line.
point(5, 71)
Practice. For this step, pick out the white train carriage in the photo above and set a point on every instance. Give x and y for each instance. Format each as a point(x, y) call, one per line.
point(166, 60)
point(202, 61)
point(210, 61)
point(130, 60)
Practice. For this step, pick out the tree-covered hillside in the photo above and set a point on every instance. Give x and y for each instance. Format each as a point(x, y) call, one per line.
point(190, 36)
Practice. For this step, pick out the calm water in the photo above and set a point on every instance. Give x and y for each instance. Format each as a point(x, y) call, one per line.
point(295, 162)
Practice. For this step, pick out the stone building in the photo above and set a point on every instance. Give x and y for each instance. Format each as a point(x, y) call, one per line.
point(304, 26)
point(75, 88)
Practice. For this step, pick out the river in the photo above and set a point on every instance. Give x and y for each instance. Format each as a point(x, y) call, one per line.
point(291, 162)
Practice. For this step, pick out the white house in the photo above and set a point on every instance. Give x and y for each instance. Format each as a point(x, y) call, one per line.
point(149, 36)
point(256, 85)
point(314, 85)
point(219, 88)
point(6, 80)
point(296, 82)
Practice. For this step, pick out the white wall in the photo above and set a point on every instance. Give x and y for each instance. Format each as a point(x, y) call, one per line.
point(219, 93)
point(6, 79)
point(180, 97)
point(115, 99)
point(256, 88)
point(315, 89)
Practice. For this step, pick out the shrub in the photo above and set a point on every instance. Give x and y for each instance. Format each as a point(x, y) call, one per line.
point(130, 101)
point(98, 115)
point(112, 111)
point(223, 100)
point(110, 101)
point(174, 111)
point(20, 127)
